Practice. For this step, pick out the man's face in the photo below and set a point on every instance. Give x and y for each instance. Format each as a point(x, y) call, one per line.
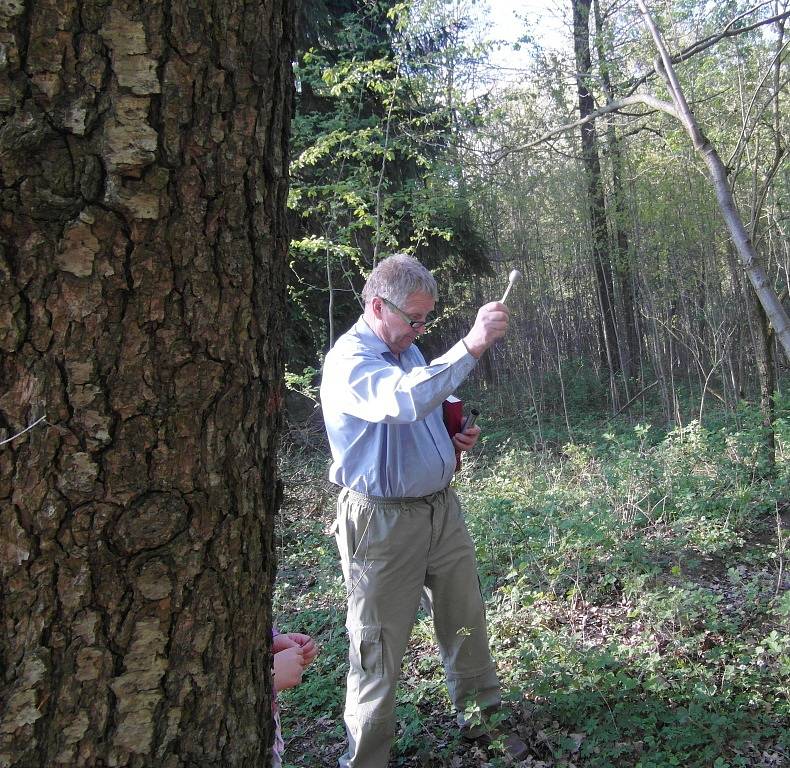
point(393, 322)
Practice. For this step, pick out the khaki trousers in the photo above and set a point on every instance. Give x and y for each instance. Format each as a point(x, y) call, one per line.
point(395, 552)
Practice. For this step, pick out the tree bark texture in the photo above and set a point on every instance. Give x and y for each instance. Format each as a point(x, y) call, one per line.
point(595, 194)
point(143, 157)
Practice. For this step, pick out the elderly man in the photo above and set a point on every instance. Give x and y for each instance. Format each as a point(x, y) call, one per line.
point(399, 529)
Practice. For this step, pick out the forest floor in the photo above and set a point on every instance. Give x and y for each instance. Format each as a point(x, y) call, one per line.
point(636, 583)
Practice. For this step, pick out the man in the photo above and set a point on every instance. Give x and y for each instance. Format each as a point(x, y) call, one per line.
point(399, 528)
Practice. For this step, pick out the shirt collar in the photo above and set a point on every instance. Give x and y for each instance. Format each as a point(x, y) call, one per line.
point(369, 338)
point(366, 335)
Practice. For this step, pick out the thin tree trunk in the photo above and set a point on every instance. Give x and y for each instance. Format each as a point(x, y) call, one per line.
point(595, 195)
point(744, 246)
point(764, 341)
point(764, 307)
point(143, 153)
point(628, 346)
point(331, 308)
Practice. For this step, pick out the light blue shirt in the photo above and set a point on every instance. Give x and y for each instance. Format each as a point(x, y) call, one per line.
point(383, 415)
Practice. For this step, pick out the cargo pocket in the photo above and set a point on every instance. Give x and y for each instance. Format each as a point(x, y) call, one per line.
point(366, 652)
point(345, 531)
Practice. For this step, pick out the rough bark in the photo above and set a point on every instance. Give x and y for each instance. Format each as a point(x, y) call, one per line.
point(143, 152)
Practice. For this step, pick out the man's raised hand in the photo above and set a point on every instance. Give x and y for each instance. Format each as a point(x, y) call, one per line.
point(490, 325)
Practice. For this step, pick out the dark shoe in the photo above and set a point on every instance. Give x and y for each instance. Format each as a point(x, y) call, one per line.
point(510, 742)
point(515, 747)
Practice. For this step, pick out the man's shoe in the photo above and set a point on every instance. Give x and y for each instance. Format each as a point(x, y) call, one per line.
point(510, 741)
point(515, 747)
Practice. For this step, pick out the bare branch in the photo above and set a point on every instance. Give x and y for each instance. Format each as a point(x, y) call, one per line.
point(701, 45)
point(746, 131)
point(763, 193)
point(614, 106)
point(708, 42)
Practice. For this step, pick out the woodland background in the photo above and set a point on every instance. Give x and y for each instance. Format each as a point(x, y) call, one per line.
point(630, 496)
point(405, 138)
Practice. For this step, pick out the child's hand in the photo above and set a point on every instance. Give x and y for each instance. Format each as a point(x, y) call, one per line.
point(306, 643)
point(288, 667)
point(282, 641)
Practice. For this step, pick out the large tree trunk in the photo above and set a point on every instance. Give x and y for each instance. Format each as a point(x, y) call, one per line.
point(595, 194)
point(143, 157)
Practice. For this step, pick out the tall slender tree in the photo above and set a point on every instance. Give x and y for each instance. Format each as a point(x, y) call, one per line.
point(628, 345)
point(595, 192)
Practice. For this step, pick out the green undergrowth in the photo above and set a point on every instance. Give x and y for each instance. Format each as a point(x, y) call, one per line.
point(636, 585)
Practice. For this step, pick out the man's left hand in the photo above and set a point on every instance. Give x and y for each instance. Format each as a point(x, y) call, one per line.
point(466, 440)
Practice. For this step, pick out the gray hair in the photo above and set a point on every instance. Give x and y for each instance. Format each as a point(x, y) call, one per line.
point(397, 277)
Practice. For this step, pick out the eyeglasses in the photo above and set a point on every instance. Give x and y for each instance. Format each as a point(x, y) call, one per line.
point(418, 325)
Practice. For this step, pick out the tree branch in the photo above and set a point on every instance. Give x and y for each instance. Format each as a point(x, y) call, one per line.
point(701, 45)
point(704, 44)
point(656, 105)
point(777, 315)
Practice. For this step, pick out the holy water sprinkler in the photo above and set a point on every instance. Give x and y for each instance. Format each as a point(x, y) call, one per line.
point(515, 276)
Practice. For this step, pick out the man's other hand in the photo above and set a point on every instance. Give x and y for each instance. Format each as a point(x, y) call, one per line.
point(306, 643)
point(466, 440)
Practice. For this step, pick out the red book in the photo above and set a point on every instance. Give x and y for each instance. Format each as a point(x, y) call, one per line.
point(453, 412)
